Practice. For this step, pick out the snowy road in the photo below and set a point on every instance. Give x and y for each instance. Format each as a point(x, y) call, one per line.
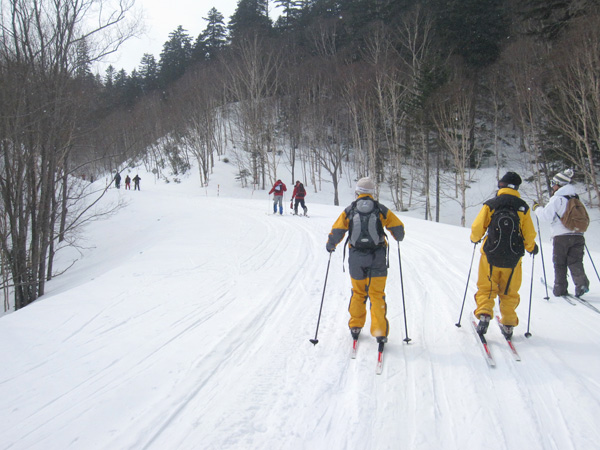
point(187, 326)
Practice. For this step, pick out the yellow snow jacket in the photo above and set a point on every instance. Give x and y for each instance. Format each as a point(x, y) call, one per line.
point(482, 221)
point(388, 219)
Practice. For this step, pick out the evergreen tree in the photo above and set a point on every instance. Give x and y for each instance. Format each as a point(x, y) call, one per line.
point(475, 29)
point(148, 72)
point(109, 77)
point(133, 88)
point(120, 85)
point(548, 17)
point(82, 65)
point(175, 57)
point(250, 15)
point(291, 11)
point(213, 38)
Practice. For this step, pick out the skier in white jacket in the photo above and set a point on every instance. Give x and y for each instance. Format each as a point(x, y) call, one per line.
point(568, 246)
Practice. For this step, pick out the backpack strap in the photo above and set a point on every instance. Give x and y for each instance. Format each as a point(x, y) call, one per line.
point(348, 210)
point(509, 279)
point(568, 197)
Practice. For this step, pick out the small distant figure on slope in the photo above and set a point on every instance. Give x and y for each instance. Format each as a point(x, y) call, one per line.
point(136, 183)
point(117, 180)
point(298, 195)
point(277, 190)
point(507, 220)
point(364, 220)
point(568, 243)
point(127, 182)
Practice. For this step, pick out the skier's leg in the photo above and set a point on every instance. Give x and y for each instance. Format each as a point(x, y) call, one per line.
point(510, 300)
point(379, 323)
point(358, 303)
point(487, 289)
point(559, 258)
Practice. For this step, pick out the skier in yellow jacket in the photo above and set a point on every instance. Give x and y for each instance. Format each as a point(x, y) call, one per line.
point(367, 260)
point(504, 282)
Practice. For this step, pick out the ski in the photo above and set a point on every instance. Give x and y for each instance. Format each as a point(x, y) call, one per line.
point(354, 348)
point(566, 298)
point(583, 302)
point(509, 341)
point(484, 346)
point(379, 367)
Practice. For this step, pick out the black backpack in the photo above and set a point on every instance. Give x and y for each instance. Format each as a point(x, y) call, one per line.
point(365, 230)
point(301, 190)
point(504, 246)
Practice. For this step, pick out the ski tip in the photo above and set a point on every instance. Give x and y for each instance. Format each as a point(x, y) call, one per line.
point(314, 341)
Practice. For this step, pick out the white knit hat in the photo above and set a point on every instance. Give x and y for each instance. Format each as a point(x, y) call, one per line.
point(563, 178)
point(365, 186)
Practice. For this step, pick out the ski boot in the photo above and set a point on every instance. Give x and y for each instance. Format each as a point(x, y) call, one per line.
point(484, 322)
point(507, 331)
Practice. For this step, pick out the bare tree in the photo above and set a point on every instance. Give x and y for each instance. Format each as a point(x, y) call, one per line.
point(39, 124)
point(360, 103)
point(524, 98)
point(199, 99)
point(254, 77)
point(452, 115)
point(390, 85)
point(417, 64)
point(573, 106)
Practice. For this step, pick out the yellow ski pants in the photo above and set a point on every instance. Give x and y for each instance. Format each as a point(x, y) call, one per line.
point(374, 289)
point(488, 288)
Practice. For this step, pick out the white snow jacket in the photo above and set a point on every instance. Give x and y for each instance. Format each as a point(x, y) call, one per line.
point(554, 210)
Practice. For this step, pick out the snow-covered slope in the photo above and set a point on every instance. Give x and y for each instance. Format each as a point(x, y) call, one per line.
point(186, 325)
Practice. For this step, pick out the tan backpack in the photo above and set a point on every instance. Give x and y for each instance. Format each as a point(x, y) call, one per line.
point(575, 217)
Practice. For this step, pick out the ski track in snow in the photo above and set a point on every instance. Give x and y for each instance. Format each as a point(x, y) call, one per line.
point(211, 349)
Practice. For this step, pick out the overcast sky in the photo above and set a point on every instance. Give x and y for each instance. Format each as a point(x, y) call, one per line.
point(161, 18)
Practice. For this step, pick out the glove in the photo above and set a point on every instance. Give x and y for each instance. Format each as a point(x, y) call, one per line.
point(535, 250)
point(399, 235)
point(330, 247)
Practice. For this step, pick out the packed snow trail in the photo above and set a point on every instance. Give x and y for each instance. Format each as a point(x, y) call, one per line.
point(186, 325)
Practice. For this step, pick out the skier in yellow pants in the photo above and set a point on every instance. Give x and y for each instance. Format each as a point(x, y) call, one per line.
point(364, 219)
point(500, 265)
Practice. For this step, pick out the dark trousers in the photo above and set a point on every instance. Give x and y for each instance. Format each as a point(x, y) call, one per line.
point(568, 250)
point(301, 202)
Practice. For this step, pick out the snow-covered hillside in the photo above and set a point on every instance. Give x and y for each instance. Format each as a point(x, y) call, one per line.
point(186, 325)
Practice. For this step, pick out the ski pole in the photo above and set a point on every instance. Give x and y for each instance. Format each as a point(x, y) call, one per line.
point(467, 286)
point(315, 340)
point(407, 339)
point(528, 334)
point(542, 255)
point(594, 265)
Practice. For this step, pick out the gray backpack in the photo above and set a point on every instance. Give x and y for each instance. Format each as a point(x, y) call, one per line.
point(365, 228)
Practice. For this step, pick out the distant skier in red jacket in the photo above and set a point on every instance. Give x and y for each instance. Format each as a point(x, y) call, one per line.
point(299, 194)
point(277, 190)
